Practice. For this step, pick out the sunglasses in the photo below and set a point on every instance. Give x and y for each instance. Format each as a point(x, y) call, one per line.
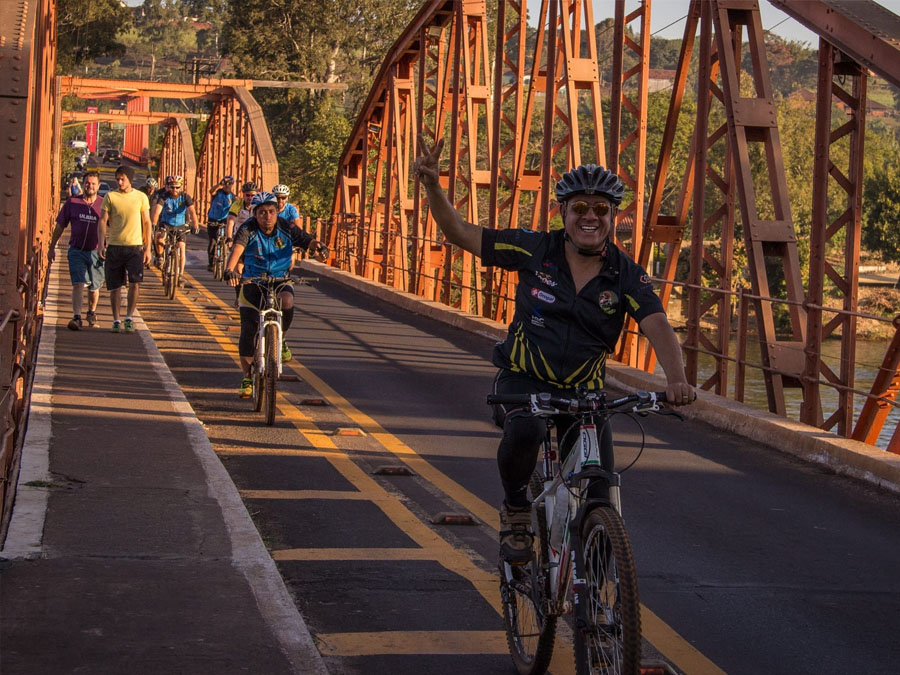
point(581, 208)
point(281, 198)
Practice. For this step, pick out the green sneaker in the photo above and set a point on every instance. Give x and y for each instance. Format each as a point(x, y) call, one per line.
point(116, 327)
point(246, 390)
point(129, 326)
point(285, 352)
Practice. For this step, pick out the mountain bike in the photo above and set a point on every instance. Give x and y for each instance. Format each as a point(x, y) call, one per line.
point(219, 251)
point(580, 544)
point(266, 367)
point(171, 257)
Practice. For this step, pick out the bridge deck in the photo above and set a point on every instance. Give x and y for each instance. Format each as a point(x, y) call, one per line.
point(750, 560)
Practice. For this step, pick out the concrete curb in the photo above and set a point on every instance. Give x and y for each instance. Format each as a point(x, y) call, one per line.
point(249, 554)
point(842, 455)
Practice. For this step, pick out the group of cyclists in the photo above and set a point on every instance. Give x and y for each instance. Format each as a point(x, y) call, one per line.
point(262, 229)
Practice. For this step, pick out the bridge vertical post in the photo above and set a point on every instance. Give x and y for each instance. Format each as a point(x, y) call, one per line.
point(834, 64)
point(768, 235)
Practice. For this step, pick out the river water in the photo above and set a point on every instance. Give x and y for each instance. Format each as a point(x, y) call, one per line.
point(869, 356)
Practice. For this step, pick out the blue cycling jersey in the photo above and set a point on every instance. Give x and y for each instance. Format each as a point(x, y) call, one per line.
point(270, 254)
point(218, 207)
point(174, 209)
point(289, 212)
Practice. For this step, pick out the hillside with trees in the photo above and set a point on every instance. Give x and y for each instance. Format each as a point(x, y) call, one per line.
point(326, 41)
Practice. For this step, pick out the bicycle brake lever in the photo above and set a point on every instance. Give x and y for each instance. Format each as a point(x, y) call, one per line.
point(669, 411)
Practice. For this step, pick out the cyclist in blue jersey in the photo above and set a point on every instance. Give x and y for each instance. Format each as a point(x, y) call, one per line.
point(173, 209)
point(286, 210)
point(575, 288)
point(266, 242)
point(222, 199)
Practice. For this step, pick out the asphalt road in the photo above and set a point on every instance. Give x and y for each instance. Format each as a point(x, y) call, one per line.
point(752, 561)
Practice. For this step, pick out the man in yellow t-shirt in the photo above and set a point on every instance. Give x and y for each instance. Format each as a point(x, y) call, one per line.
point(124, 232)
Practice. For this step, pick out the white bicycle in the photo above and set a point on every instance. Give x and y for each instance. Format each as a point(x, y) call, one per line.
point(580, 543)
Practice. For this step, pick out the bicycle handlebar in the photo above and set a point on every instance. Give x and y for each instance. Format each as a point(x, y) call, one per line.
point(544, 403)
point(267, 280)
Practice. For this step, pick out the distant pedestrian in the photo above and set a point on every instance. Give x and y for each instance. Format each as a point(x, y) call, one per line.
point(83, 213)
point(75, 189)
point(125, 244)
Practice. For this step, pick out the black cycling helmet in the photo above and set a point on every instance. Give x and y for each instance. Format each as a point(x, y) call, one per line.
point(250, 187)
point(590, 179)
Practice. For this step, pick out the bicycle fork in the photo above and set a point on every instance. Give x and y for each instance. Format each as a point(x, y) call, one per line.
point(266, 317)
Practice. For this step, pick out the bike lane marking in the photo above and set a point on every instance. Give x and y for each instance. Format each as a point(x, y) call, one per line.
point(431, 546)
point(662, 636)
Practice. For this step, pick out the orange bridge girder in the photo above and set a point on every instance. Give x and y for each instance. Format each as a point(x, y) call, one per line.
point(242, 149)
point(381, 226)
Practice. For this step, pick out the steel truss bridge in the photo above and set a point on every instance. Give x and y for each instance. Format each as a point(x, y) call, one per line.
point(515, 117)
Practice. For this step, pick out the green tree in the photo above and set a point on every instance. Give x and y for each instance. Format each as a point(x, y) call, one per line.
point(87, 29)
point(881, 209)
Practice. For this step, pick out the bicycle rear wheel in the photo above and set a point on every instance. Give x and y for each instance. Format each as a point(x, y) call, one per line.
point(612, 642)
point(530, 631)
point(259, 393)
point(271, 371)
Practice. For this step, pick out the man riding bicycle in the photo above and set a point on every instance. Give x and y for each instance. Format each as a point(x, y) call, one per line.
point(219, 206)
point(575, 288)
point(267, 244)
point(172, 210)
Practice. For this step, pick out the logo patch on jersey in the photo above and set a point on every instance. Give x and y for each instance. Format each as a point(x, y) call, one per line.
point(608, 301)
point(645, 278)
point(537, 319)
point(546, 279)
point(278, 243)
point(543, 296)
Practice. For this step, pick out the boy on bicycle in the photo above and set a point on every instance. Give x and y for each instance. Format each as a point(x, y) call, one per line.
point(267, 244)
point(575, 287)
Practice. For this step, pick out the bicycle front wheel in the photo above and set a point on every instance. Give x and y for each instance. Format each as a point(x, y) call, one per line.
point(258, 390)
point(219, 262)
point(271, 371)
point(176, 271)
point(530, 631)
point(611, 643)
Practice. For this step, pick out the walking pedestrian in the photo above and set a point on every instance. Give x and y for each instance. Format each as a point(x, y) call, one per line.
point(83, 213)
point(125, 244)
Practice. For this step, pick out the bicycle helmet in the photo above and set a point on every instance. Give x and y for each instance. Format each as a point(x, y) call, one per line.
point(228, 180)
point(175, 181)
point(263, 198)
point(590, 179)
point(152, 184)
point(281, 189)
point(249, 187)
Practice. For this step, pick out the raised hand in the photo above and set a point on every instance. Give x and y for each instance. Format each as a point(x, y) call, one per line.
point(426, 166)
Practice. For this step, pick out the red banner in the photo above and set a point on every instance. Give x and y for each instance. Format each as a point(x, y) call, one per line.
point(91, 131)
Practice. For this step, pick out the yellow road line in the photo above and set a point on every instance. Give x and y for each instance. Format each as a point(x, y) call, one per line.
point(310, 494)
point(675, 648)
point(333, 554)
point(412, 642)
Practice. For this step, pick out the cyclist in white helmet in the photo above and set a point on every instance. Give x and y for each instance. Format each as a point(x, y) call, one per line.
point(286, 210)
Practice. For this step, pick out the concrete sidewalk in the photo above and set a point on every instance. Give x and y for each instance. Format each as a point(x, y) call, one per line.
point(130, 549)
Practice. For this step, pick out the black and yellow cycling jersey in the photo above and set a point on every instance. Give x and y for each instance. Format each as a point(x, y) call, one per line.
point(556, 335)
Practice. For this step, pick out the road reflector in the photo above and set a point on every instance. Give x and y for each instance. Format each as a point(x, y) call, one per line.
point(453, 519)
point(393, 471)
point(656, 668)
point(312, 401)
point(349, 431)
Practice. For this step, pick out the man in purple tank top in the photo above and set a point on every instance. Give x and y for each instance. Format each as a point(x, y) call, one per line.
point(85, 266)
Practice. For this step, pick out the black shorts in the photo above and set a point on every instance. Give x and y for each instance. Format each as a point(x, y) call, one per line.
point(122, 259)
point(250, 299)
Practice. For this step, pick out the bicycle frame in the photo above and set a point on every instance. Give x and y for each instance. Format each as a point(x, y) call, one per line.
point(270, 314)
point(563, 504)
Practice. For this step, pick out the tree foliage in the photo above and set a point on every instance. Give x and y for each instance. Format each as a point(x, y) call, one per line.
point(88, 29)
